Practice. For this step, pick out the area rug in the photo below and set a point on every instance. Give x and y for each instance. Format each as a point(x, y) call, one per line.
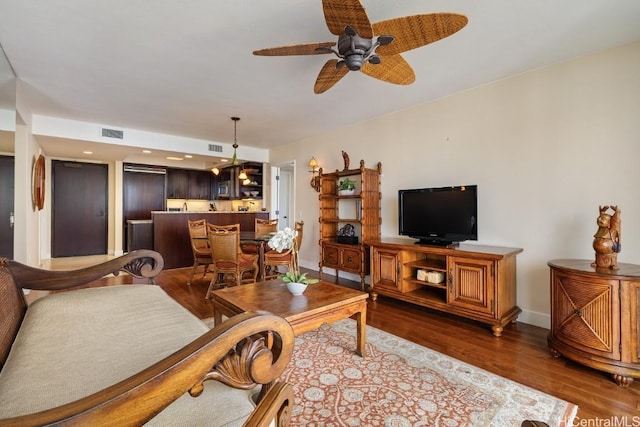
point(400, 383)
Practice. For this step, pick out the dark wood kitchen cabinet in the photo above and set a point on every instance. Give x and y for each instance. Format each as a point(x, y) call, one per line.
point(251, 188)
point(188, 184)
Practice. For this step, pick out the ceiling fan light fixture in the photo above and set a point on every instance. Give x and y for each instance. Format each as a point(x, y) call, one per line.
point(359, 39)
point(243, 175)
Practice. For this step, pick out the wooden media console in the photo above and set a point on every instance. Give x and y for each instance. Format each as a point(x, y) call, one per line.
point(472, 281)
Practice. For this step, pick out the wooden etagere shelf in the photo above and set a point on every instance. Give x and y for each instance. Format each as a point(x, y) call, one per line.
point(361, 210)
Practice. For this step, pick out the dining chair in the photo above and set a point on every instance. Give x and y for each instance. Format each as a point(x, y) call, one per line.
point(273, 260)
point(199, 247)
point(262, 227)
point(266, 226)
point(228, 258)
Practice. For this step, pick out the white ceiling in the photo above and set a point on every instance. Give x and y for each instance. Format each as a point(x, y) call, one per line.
point(185, 67)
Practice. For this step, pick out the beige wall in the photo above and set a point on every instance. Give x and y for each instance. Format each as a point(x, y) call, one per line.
point(545, 148)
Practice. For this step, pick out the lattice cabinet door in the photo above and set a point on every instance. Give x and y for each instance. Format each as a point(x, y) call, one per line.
point(470, 283)
point(585, 313)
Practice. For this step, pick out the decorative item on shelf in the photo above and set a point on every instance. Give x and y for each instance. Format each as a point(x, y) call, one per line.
point(315, 180)
point(345, 157)
point(606, 241)
point(430, 276)
point(346, 187)
point(296, 281)
point(347, 235)
point(234, 159)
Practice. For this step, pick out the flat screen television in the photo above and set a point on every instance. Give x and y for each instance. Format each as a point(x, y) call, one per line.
point(439, 216)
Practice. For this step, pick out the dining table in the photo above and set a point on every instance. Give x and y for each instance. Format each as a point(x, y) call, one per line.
point(260, 240)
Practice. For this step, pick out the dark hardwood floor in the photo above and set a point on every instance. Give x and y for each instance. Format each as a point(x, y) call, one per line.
point(521, 353)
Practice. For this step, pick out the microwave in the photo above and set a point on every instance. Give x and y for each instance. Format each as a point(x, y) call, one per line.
point(224, 189)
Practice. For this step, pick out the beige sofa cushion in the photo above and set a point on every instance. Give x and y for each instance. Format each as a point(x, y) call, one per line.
point(73, 344)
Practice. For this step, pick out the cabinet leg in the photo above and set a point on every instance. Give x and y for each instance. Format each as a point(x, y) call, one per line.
point(621, 380)
point(497, 330)
point(554, 352)
point(374, 296)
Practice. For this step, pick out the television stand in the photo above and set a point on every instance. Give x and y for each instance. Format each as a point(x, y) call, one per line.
point(476, 282)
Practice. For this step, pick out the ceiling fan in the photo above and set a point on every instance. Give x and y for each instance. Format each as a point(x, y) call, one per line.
point(373, 49)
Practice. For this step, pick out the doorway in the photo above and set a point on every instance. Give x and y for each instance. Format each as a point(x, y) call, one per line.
point(282, 198)
point(7, 173)
point(79, 208)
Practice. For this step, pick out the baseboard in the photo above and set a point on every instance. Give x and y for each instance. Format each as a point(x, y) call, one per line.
point(542, 320)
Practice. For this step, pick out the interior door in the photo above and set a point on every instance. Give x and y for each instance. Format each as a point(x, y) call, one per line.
point(79, 208)
point(6, 206)
point(283, 184)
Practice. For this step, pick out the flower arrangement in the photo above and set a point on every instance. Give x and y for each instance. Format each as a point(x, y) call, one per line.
point(285, 240)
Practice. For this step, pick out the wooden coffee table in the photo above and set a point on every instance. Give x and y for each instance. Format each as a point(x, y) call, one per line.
point(322, 302)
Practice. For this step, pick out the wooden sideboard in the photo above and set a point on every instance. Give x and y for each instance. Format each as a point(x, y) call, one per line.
point(477, 282)
point(171, 232)
point(594, 317)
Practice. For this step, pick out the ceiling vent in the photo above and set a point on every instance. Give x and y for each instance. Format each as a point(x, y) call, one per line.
point(215, 148)
point(112, 133)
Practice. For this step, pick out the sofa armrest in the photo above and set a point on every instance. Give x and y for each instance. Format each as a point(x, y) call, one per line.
point(246, 350)
point(277, 405)
point(141, 264)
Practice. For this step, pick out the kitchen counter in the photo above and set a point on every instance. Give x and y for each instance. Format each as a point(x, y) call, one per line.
point(171, 231)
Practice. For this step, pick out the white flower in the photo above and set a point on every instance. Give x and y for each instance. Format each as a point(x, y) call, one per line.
point(284, 240)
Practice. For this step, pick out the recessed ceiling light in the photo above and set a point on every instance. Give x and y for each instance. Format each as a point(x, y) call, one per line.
point(188, 156)
point(224, 160)
point(146, 151)
point(88, 152)
point(173, 158)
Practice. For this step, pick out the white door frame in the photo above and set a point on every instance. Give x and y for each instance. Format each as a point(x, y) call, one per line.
point(288, 170)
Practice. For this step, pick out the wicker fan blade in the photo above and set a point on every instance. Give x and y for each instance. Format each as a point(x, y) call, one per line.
point(340, 13)
point(300, 49)
point(414, 31)
point(392, 69)
point(329, 76)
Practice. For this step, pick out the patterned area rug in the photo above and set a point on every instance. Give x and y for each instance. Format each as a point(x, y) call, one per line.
point(400, 383)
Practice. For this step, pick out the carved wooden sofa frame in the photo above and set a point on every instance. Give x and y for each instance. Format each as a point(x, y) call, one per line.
point(245, 351)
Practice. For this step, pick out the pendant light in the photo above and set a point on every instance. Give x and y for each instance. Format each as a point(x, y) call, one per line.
point(234, 159)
